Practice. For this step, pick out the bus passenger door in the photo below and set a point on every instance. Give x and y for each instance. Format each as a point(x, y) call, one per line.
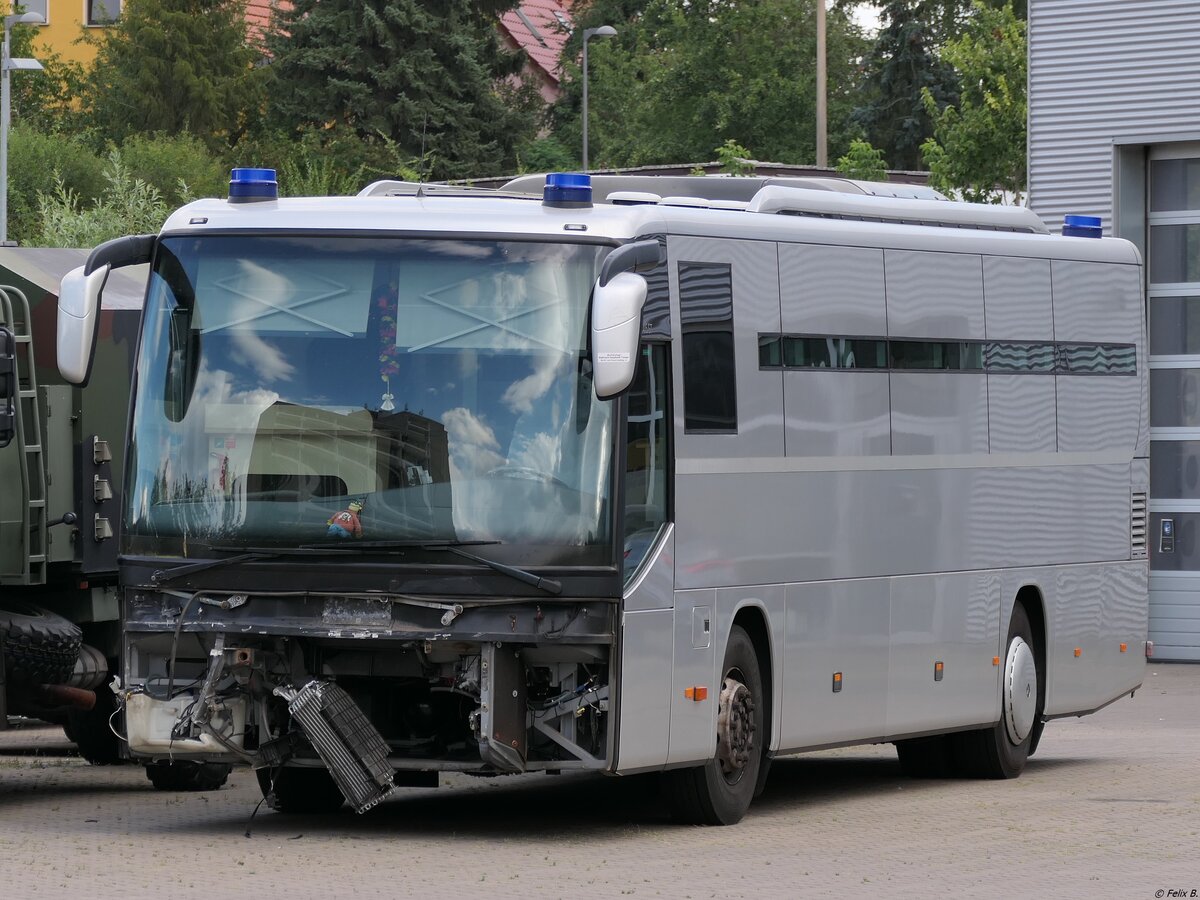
point(647, 614)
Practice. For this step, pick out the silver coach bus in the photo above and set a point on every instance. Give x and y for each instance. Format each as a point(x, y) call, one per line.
point(623, 475)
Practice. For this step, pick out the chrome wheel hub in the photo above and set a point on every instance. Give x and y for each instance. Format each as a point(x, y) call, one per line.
point(1020, 690)
point(735, 728)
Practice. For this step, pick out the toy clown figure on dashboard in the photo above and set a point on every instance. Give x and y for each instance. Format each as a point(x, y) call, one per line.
point(346, 523)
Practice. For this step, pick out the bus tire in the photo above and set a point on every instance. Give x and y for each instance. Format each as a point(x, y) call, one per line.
point(927, 757)
point(292, 789)
point(719, 792)
point(1001, 750)
point(1038, 727)
point(186, 775)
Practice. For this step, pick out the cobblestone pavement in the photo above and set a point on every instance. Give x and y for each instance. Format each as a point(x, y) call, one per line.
point(1110, 807)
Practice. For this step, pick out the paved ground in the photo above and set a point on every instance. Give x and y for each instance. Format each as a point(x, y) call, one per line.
point(1110, 807)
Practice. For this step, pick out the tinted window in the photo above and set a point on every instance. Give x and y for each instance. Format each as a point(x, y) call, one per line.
point(709, 375)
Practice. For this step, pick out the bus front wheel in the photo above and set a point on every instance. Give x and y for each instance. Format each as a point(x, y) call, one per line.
point(719, 792)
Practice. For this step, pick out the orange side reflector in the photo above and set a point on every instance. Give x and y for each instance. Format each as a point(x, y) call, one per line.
point(1078, 652)
point(696, 693)
point(995, 660)
point(1124, 646)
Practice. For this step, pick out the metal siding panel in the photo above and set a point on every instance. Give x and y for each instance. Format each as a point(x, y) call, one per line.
point(953, 619)
point(1098, 412)
point(694, 724)
point(807, 526)
point(832, 290)
point(934, 295)
point(645, 702)
point(1022, 414)
point(835, 413)
point(1148, 84)
point(835, 627)
point(939, 413)
point(755, 269)
point(1016, 299)
point(1095, 609)
point(1097, 302)
point(1174, 615)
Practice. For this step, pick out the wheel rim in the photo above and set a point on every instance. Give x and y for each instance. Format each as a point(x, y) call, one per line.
point(1020, 690)
point(735, 728)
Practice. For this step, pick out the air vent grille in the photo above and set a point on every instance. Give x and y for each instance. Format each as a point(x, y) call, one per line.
point(1137, 525)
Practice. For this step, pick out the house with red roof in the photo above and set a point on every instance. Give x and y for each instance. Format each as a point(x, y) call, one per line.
point(540, 28)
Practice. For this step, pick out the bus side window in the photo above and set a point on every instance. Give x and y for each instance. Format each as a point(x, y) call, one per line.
point(646, 455)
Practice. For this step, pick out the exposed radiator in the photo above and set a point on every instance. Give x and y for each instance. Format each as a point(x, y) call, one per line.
point(350, 746)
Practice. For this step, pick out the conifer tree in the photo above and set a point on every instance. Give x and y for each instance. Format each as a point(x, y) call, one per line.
point(902, 65)
point(174, 66)
point(428, 76)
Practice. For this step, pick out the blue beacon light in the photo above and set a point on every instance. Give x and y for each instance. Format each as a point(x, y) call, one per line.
point(1082, 226)
point(252, 185)
point(567, 190)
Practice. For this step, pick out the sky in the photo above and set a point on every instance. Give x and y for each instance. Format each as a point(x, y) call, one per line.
point(867, 16)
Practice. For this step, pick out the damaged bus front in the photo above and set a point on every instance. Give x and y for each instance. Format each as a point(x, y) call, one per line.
point(369, 530)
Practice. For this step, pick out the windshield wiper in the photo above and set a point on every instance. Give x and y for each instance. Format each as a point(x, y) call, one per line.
point(163, 576)
point(549, 585)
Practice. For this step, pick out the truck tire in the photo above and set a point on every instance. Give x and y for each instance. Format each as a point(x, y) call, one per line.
point(183, 775)
point(40, 647)
point(91, 731)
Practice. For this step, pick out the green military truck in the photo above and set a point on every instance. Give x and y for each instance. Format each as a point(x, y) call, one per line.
point(61, 465)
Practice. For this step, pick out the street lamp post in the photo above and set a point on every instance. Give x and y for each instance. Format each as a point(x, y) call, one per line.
point(604, 31)
point(822, 141)
point(8, 64)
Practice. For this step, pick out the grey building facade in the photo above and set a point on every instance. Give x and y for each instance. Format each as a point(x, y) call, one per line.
point(1114, 131)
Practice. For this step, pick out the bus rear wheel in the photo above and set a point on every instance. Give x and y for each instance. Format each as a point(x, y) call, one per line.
point(719, 792)
point(1001, 750)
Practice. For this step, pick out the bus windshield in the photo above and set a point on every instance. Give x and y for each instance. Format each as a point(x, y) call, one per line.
point(297, 390)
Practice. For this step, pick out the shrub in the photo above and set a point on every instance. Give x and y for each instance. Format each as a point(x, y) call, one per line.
point(37, 162)
point(165, 161)
point(127, 205)
point(862, 162)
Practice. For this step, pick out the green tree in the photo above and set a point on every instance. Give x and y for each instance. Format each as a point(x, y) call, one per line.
point(174, 66)
point(684, 76)
point(427, 75)
point(863, 162)
point(978, 146)
point(900, 70)
point(734, 158)
point(44, 99)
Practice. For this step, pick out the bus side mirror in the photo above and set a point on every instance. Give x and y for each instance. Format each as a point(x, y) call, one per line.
point(78, 315)
point(8, 387)
point(616, 332)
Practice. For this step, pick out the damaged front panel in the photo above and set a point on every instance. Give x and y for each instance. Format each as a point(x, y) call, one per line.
point(369, 685)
